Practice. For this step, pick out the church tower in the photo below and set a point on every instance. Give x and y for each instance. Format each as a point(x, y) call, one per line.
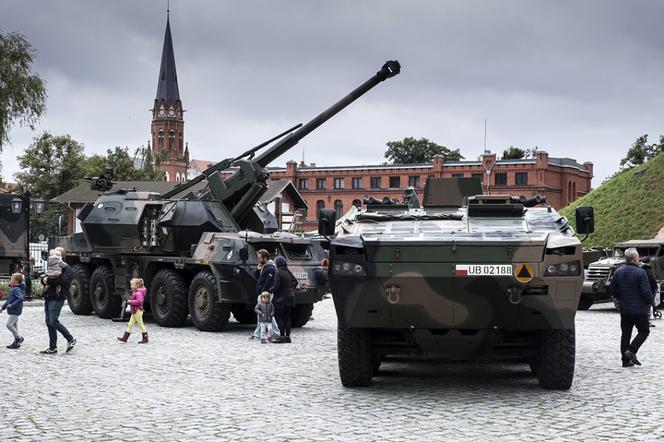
point(168, 146)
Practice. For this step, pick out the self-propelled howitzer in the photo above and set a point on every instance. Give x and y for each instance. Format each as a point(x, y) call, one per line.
point(193, 246)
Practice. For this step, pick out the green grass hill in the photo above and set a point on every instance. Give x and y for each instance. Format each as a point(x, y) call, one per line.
point(628, 206)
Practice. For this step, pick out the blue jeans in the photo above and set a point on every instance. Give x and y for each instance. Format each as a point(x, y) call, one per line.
point(275, 328)
point(52, 308)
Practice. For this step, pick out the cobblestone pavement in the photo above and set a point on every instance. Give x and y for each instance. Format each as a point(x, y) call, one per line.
point(191, 385)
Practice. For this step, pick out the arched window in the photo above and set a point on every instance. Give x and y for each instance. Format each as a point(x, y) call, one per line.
point(167, 176)
point(357, 203)
point(161, 138)
point(171, 139)
point(320, 204)
point(574, 191)
point(339, 207)
point(177, 177)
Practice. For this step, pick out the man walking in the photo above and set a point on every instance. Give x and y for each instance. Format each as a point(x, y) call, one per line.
point(56, 290)
point(630, 285)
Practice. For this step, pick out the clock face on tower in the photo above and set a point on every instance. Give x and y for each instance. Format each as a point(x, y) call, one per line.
point(171, 113)
point(161, 112)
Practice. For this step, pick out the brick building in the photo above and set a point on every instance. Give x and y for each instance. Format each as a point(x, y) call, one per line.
point(562, 180)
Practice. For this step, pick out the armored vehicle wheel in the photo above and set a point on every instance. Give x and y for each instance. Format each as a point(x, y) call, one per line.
point(105, 302)
point(244, 314)
point(585, 302)
point(168, 298)
point(356, 363)
point(206, 313)
point(301, 314)
point(79, 291)
point(555, 359)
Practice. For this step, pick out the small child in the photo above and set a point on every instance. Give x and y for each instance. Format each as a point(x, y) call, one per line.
point(138, 294)
point(265, 311)
point(55, 266)
point(14, 307)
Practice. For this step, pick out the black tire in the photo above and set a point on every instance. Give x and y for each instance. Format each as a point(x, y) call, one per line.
point(168, 298)
point(375, 364)
point(207, 313)
point(105, 302)
point(555, 360)
point(78, 297)
point(356, 363)
point(301, 314)
point(585, 302)
point(244, 314)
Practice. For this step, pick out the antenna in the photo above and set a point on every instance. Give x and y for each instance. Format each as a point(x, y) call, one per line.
point(485, 151)
point(168, 8)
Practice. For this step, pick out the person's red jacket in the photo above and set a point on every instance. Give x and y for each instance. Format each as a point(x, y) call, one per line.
point(137, 298)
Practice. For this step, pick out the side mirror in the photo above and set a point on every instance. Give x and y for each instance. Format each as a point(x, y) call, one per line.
point(585, 220)
point(327, 220)
point(244, 254)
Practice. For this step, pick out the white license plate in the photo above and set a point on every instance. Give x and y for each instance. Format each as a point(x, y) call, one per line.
point(483, 270)
point(301, 276)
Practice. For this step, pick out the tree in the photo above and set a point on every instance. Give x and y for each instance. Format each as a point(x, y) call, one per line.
point(641, 151)
point(513, 153)
point(123, 165)
point(410, 150)
point(22, 93)
point(50, 166)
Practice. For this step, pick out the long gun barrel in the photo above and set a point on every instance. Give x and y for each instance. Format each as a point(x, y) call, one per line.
point(224, 164)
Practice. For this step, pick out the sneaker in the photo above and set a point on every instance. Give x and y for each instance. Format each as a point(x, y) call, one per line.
point(287, 340)
point(49, 351)
point(263, 341)
point(252, 337)
point(20, 340)
point(13, 345)
point(628, 364)
point(629, 354)
point(70, 345)
point(278, 340)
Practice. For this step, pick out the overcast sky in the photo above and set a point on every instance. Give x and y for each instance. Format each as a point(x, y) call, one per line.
point(579, 79)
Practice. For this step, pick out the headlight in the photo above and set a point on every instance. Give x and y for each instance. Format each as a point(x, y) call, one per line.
point(572, 268)
point(341, 268)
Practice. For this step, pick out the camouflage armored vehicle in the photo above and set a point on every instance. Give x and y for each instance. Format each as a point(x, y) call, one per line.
point(12, 236)
point(599, 274)
point(195, 246)
point(497, 277)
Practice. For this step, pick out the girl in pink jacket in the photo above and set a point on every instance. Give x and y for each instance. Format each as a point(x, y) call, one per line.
point(136, 302)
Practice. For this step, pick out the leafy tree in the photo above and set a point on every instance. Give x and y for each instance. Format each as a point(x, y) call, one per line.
point(123, 165)
point(50, 166)
point(513, 153)
point(22, 93)
point(641, 151)
point(422, 150)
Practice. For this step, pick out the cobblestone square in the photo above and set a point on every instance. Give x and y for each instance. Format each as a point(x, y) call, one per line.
point(191, 385)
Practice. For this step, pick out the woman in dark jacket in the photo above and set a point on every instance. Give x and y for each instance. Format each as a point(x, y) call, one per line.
point(284, 299)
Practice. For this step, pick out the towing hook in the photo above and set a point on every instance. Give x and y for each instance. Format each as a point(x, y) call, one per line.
point(514, 295)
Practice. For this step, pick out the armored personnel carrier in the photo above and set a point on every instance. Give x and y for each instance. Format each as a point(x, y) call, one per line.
point(195, 246)
point(12, 236)
point(599, 274)
point(459, 277)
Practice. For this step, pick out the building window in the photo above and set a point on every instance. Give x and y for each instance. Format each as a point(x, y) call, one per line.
point(395, 182)
point(477, 175)
point(338, 183)
point(501, 179)
point(320, 183)
point(357, 203)
point(171, 139)
point(339, 208)
point(320, 204)
point(302, 184)
point(457, 175)
point(357, 183)
point(375, 182)
point(414, 181)
point(522, 178)
point(161, 138)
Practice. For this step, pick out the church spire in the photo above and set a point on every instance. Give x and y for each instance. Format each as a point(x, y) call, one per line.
point(167, 87)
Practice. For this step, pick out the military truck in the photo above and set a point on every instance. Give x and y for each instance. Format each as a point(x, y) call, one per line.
point(462, 277)
point(12, 236)
point(195, 246)
point(599, 274)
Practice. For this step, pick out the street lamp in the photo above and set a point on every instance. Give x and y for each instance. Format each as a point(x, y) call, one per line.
point(17, 205)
